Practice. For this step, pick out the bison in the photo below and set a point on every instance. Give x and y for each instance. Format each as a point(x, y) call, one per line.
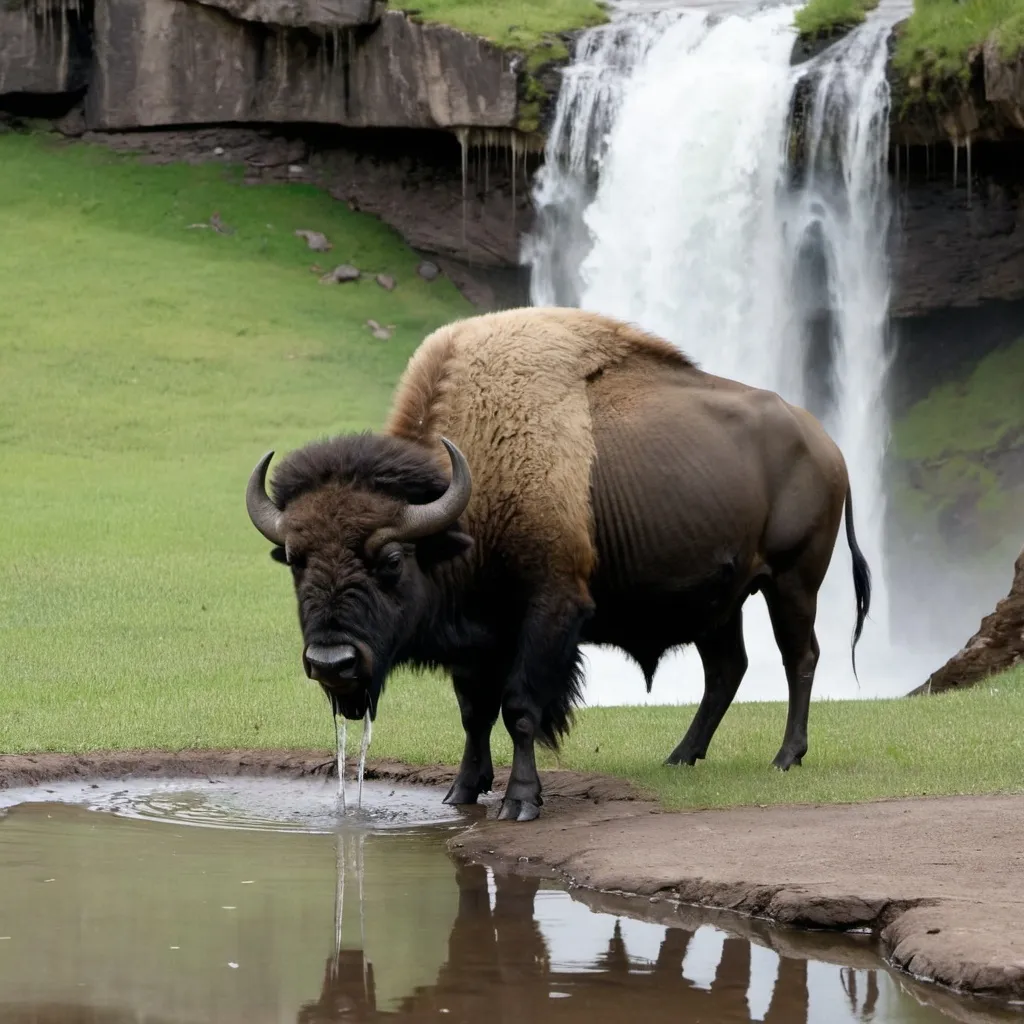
point(546, 478)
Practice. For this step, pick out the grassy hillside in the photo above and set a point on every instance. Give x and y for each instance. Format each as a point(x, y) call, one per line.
point(955, 454)
point(145, 366)
point(940, 35)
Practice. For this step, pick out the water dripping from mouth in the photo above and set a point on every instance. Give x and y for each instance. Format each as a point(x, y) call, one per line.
point(339, 732)
point(367, 737)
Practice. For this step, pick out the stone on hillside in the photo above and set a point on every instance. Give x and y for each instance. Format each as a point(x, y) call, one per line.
point(997, 646)
point(386, 281)
point(380, 332)
point(341, 273)
point(316, 240)
point(428, 271)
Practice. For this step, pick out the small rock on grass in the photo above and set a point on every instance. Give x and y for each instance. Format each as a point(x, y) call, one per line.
point(380, 332)
point(316, 240)
point(341, 273)
point(386, 281)
point(428, 271)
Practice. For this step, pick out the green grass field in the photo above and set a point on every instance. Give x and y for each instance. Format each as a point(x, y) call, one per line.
point(144, 367)
point(825, 17)
point(937, 39)
point(518, 24)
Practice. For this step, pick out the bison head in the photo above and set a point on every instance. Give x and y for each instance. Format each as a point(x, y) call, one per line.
point(362, 522)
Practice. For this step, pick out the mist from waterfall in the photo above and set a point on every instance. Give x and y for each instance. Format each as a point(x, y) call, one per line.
point(674, 195)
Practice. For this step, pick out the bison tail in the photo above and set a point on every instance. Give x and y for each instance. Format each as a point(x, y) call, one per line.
point(861, 579)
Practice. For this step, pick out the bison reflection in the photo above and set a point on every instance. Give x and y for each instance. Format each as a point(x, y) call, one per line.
point(499, 969)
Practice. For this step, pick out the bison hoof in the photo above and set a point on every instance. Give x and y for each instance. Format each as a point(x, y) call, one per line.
point(518, 810)
point(683, 758)
point(461, 794)
point(784, 761)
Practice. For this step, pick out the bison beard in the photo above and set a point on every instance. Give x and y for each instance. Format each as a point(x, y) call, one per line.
point(621, 496)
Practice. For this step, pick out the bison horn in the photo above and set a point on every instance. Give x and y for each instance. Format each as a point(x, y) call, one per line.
point(423, 520)
point(265, 515)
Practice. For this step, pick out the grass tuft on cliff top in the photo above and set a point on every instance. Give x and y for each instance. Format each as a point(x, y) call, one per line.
point(937, 40)
point(515, 24)
point(823, 18)
point(145, 368)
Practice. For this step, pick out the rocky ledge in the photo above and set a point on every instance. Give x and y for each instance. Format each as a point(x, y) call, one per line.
point(349, 63)
point(984, 102)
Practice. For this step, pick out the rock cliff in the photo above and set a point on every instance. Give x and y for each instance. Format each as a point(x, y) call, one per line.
point(156, 63)
point(45, 46)
point(959, 238)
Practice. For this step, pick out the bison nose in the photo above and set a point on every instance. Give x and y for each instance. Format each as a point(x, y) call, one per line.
point(325, 663)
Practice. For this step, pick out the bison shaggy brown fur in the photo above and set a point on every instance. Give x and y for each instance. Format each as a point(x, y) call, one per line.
point(619, 495)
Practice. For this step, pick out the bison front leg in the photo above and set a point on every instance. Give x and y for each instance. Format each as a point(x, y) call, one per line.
point(542, 687)
point(479, 697)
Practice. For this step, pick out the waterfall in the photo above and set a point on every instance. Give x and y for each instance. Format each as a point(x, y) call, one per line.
point(671, 196)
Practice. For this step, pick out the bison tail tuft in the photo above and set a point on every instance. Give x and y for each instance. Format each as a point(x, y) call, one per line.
point(861, 579)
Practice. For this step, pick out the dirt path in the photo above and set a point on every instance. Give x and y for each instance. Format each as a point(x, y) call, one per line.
point(941, 879)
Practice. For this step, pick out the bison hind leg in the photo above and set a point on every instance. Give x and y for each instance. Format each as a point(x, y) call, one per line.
point(792, 606)
point(724, 656)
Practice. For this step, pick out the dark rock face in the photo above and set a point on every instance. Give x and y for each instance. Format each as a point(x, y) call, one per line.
point(177, 62)
point(957, 246)
point(997, 646)
point(45, 46)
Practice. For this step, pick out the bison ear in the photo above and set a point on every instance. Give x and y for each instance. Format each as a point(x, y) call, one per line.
point(441, 547)
point(278, 554)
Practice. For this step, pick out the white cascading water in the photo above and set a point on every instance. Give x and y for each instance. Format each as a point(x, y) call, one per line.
point(673, 205)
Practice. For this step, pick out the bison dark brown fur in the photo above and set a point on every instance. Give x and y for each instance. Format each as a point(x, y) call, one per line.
point(602, 489)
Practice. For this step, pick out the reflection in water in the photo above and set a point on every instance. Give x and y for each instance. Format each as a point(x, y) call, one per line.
point(501, 966)
point(106, 919)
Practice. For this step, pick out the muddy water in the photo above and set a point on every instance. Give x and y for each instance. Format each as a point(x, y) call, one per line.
point(231, 901)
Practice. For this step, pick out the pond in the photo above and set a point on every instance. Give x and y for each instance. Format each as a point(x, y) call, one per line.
point(234, 900)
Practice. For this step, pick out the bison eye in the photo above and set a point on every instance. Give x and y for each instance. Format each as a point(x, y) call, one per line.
point(391, 562)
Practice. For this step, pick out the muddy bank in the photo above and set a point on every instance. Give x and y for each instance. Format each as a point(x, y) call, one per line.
point(936, 878)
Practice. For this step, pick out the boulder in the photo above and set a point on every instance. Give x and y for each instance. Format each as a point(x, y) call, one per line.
point(997, 646)
point(312, 14)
